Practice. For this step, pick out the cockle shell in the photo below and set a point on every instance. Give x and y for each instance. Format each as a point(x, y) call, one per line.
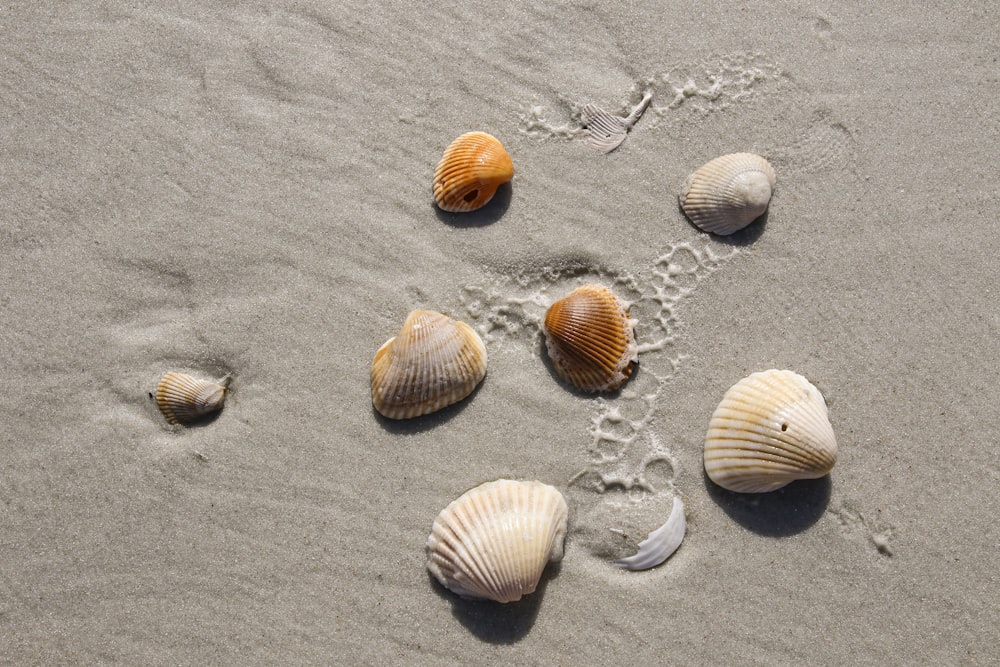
point(433, 362)
point(771, 428)
point(184, 399)
point(471, 170)
point(661, 543)
point(728, 193)
point(495, 540)
point(591, 339)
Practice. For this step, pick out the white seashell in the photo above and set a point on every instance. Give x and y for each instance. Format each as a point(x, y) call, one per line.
point(433, 362)
point(605, 132)
point(661, 543)
point(771, 428)
point(184, 399)
point(495, 540)
point(728, 193)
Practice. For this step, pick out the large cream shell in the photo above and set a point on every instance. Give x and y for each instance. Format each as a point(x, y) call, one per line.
point(728, 193)
point(433, 362)
point(470, 171)
point(591, 339)
point(495, 540)
point(771, 428)
point(184, 399)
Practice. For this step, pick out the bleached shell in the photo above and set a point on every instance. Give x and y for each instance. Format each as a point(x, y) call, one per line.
point(591, 339)
point(471, 170)
point(495, 540)
point(184, 399)
point(433, 362)
point(771, 428)
point(661, 543)
point(728, 193)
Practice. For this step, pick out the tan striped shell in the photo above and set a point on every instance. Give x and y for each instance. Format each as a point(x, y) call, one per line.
point(471, 170)
point(185, 400)
point(433, 362)
point(771, 428)
point(591, 339)
point(495, 540)
point(728, 193)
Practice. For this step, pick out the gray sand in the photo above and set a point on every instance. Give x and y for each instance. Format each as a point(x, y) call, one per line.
point(246, 189)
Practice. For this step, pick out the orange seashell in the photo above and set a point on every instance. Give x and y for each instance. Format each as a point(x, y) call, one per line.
point(471, 170)
point(186, 400)
point(590, 339)
point(433, 362)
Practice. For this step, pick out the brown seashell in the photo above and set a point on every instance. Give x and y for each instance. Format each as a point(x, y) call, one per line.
point(433, 362)
point(590, 339)
point(495, 540)
point(771, 428)
point(728, 193)
point(471, 170)
point(184, 399)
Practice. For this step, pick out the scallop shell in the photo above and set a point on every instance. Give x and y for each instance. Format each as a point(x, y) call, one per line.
point(771, 428)
point(728, 193)
point(590, 339)
point(184, 399)
point(494, 541)
point(433, 362)
point(471, 170)
point(661, 543)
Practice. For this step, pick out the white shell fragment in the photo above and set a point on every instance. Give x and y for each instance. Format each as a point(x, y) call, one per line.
point(606, 132)
point(661, 543)
point(771, 428)
point(495, 540)
point(184, 399)
point(728, 193)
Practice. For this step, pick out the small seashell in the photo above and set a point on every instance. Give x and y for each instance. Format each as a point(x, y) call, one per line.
point(771, 428)
point(495, 540)
point(605, 132)
point(184, 399)
point(728, 193)
point(433, 362)
point(471, 170)
point(590, 339)
point(661, 543)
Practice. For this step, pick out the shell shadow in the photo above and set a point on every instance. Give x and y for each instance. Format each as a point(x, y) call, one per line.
point(744, 237)
point(576, 391)
point(425, 422)
point(495, 622)
point(494, 210)
point(787, 511)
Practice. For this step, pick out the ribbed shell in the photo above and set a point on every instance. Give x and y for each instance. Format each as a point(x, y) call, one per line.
point(433, 362)
point(471, 170)
point(590, 339)
point(494, 541)
point(728, 193)
point(771, 428)
point(184, 399)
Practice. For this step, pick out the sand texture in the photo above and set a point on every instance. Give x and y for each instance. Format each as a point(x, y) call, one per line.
point(245, 189)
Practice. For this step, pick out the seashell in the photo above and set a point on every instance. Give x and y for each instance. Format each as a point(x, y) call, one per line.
point(494, 541)
point(184, 399)
point(471, 170)
point(728, 193)
point(661, 543)
point(771, 428)
point(433, 362)
point(605, 132)
point(590, 339)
